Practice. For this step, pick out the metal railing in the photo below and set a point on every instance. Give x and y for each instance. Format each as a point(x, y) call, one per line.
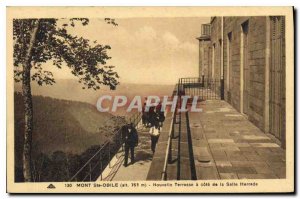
point(168, 156)
point(204, 88)
point(192, 86)
point(95, 165)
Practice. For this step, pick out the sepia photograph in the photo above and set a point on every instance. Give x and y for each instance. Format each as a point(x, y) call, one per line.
point(150, 99)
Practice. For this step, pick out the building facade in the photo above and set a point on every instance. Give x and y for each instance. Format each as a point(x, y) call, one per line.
point(204, 51)
point(248, 54)
point(216, 48)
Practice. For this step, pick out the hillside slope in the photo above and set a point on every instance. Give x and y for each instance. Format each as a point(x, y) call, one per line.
point(75, 91)
point(63, 125)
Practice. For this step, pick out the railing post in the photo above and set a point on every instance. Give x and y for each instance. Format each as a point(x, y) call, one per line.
point(101, 165)
point(170, 147)
point(174, 122)
point(109, 154)
point(222, 89)
point(208, 83)
point(170, 153)
point(90, 168)
point(165, 177)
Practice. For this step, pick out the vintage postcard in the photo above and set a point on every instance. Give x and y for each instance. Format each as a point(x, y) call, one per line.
point(150, 99)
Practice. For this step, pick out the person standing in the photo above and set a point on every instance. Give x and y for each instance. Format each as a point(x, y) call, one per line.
point(131, 141)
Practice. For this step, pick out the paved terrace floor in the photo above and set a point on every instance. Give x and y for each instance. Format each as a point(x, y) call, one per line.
point(143, 158)
point(136, 171)
point(227, 146)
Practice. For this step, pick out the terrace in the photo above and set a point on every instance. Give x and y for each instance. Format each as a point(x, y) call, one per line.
point(217, 143)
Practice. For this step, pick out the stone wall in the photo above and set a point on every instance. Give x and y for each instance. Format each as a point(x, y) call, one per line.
point(246, 67)
point(216, 45)
point(205, 54)
point(256, 63)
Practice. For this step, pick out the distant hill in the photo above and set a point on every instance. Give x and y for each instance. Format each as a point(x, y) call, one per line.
point(72, 90)
point(63, 125)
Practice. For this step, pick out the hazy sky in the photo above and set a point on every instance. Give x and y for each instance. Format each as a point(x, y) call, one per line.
point(146, 50)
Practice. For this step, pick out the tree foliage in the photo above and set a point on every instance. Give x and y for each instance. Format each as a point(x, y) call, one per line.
point(60, 166)
point(86, 59)
point(37, 41)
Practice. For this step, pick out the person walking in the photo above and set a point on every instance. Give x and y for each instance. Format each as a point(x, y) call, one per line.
point(160, 114)
point(131, 141)
point(144, 115)
point(154, 134)
point(152, 116)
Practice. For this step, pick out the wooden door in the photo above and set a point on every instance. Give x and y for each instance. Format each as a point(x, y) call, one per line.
point(277, 79)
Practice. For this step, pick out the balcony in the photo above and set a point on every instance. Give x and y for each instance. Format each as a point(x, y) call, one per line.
point(205, 32)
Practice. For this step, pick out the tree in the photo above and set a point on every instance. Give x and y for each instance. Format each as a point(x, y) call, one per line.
point(58, 167)
point(37, 41)
point(40, 168)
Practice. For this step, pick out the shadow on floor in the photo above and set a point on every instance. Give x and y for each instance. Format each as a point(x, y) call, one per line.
point(143, 156)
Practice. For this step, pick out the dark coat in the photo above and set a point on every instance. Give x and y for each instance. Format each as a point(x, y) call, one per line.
point(130, 137)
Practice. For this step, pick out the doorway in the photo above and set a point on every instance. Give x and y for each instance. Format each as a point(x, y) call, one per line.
point(277, 78)
point(245, 68)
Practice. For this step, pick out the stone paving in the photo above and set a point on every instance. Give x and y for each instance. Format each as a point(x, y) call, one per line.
point(227, 146)
point(143, 157)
